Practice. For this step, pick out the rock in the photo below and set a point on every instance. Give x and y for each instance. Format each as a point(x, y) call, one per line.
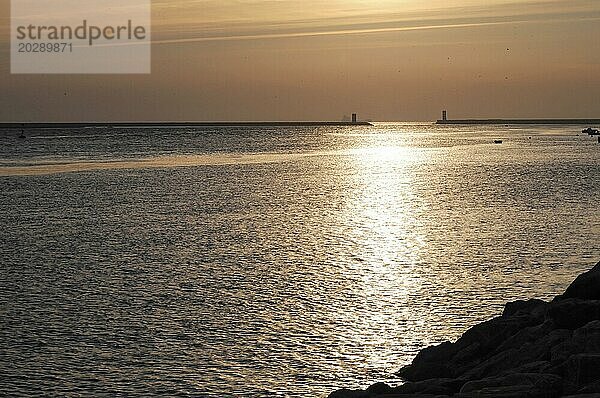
point(433, 386)
point(527, 335)
point(422, 370)
point(583, 340)
point(513, 361)
point(430, 363)
point(496, 364)
point(477, 344)
point(467, 354)
point(587, 338)
point(517, 385)
point(586, 286)
point(373, 391)
point(346, 393)
point(492, 334)
point(508, 392)
point(533, 367)
point(581, 370)
point(379, 389)
point(534, 307)
point(573, 313)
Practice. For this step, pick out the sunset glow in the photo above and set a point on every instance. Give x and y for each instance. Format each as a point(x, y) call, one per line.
point(319, 60)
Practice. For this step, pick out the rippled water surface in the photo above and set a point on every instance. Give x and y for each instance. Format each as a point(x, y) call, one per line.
point(275, 262)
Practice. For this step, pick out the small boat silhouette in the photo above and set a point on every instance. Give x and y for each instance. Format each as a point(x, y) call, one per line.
point(497, 141)
point(22, 134)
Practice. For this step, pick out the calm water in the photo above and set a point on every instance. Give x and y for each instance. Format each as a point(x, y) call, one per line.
point(275, 262)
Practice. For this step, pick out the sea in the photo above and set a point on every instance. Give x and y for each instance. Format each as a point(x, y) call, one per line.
point(275, 262)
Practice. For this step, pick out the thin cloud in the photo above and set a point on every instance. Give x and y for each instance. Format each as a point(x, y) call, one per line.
point(356, 31)
point(359, 31)
point(192, 28)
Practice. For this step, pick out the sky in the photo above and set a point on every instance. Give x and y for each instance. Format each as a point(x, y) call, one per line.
point(387, 60)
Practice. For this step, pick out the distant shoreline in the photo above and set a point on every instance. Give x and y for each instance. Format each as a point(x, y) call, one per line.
point(79, 125)
point(521, 121)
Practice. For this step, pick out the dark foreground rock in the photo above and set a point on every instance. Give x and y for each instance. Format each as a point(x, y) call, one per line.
point(535, 349)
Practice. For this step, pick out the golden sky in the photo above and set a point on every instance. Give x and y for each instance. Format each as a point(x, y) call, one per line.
point(317, 59)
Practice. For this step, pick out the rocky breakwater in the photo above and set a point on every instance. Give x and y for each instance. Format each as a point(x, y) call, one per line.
point(534, 349)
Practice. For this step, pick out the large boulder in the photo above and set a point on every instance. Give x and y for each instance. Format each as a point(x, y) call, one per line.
point(586, 286)
point(573, 313)
point(533, 307)
point(585, 340)
point(433, 387)
point(534, 343)
point(430, 363)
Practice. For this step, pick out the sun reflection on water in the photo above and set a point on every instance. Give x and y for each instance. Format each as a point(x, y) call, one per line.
point(384, 212)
